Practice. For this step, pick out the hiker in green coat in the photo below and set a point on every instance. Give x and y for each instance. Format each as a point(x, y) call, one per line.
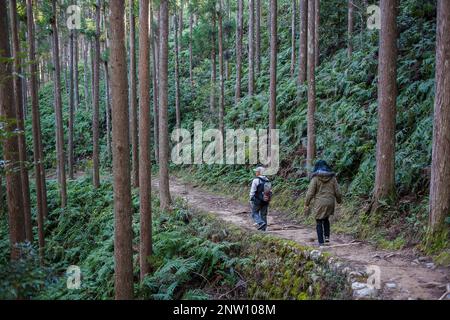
point(323, 193)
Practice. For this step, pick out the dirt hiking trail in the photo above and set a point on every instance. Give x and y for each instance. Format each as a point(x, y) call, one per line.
point(404, 275)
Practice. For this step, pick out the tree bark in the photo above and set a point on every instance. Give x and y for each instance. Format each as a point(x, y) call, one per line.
point(303, 43)
point(316, 33)
point(86, 73)
point(14, 195)
point(180, 34)
point(350, 29)
point(96, 100)
point(221, 70)
point(251, 47)
point(62, 49)
point(92, 56)
point(36, 128)
point(311, 127)
point(145, 164)
point(107, 89)
point(123, 233)
point(191, 64)
point(60, 157)
point(293, 37)
point(25, 96)
point(177, 73)
point(108, 113)
point(387, 96)
point(155, 48)
point(239, 35)
point(133, 99)
point(19, 106)
point(257, 37)
point(273, 63)
point(440, 167)
point(212, 98)
point(227, 56)
point(72, 97)
point(164, 193)
point(75, 70)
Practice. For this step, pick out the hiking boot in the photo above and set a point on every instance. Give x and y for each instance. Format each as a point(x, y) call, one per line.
point(327, 239)
point(262, 226)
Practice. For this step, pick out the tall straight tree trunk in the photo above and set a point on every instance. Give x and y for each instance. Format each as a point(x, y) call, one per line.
point(212, 98)
point(303, 43)
point(19, 107)
point(387, 96)
point(92, 56)
point(145, 164)
point(440, 167)
point(62, 66)
point(60, 157)
point(108, 113)
point(350, 28)
point(45, 72)
point(251, 47)
point(316, 33)
point(273, 63)
point(25, 95)
point(107, 92)
point(155, 48)
point(36, 129)
point(293, 38)
point(239, 35)
point(177, 74)
point(72, 97)
point(191, 64)
point(164, 192)
point(86, 72)
point(227, 13)
point(221, 70)
point(123, 232)
point(75, 70)
point(311, 127)
point(14, 195)
point(180, 34)
point(96, 96)
point(258, 36)
point(133, 99)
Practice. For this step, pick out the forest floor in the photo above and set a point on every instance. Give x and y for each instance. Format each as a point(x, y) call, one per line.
point(405, 274)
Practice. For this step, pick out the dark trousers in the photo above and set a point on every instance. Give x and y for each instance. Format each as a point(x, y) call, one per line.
point(259, 213)
point(323, 229)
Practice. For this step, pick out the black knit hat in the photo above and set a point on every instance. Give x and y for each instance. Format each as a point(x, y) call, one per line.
point(322, 165)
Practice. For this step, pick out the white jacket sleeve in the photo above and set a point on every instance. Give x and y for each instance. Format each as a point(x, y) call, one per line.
point(255, 184)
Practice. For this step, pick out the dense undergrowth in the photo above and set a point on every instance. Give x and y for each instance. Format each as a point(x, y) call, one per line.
point(217, 260)
point(346, 121)
point(82, 126)
point(195, 257)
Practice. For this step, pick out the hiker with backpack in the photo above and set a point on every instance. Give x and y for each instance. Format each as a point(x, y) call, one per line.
point(260, 196)
point(323, 193)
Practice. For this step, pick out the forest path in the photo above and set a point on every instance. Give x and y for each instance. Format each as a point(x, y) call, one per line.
point(403, 274)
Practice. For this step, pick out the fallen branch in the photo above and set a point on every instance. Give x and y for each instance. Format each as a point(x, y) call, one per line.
point(344, 244)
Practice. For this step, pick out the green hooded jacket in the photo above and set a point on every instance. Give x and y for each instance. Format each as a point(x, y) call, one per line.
point(323, 192)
